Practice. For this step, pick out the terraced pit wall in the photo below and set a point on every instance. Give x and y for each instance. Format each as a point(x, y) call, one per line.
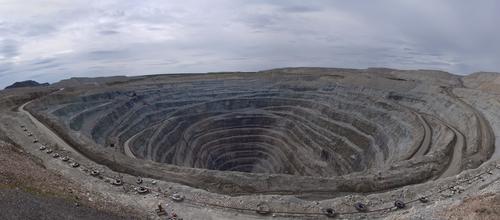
point(281, 132)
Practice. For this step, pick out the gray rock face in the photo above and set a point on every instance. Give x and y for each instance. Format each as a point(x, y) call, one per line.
point(287, 131)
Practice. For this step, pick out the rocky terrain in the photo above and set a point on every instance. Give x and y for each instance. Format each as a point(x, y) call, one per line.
point(304, 143)
point(27, 83)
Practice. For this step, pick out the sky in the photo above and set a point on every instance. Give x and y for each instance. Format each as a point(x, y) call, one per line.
point(56, 39)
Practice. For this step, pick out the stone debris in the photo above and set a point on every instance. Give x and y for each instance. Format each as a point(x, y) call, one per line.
point(330, 212)
point(117, 182)
point(361, 207)
point(160, 211)
point(139, 180)
point(263, 208)
point(399, 204)
point(94, 172)
point(141, 190)
point(177, 197)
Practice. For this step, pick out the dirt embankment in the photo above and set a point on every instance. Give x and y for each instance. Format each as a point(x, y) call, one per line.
point(12, 99)
point(484, 207)
point(29, 191)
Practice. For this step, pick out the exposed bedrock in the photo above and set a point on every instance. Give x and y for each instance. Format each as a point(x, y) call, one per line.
point(349, 133)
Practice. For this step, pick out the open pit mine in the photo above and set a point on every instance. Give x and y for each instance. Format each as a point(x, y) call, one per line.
point(292, 143)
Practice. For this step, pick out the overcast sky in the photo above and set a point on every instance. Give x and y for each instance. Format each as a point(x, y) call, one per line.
point(57, 39)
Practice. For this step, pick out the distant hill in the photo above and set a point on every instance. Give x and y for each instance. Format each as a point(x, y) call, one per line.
point(27, 83)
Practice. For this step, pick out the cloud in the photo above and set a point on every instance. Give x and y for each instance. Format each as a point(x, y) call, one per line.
point(8, 49)
point(4, 69)
point(300, 9)
point(55, 39)
point(42, 61)
point(109, 32)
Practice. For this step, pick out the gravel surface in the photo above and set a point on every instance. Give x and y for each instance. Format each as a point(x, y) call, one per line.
point(17, 204)
point(29, 191)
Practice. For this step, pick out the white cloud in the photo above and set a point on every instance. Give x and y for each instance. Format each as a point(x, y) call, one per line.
point(55, 39)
